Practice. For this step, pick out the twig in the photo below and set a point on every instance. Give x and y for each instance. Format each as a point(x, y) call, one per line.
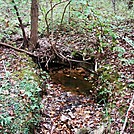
point(130, 106)
point(48, 13)
point(60, 55)
point(18, 49)
point(64, 11)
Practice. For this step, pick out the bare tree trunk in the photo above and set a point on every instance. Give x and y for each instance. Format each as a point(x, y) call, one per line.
point(34, 25)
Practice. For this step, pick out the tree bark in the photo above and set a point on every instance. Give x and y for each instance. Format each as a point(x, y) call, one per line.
point(34, 25)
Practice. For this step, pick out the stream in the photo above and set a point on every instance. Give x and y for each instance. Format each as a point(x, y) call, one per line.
point(77, 80)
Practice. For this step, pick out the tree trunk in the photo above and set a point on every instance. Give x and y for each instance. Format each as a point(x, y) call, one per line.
point(34, 25)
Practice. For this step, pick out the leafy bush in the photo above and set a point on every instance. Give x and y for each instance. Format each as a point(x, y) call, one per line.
point(19, 106)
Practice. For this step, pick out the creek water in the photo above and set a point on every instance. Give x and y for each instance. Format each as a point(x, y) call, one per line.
point(73, 80)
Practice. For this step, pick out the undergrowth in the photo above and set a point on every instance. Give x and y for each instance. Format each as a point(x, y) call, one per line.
point(20, 105)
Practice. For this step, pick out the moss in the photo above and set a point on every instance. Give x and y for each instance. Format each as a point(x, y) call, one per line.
point(26, 69)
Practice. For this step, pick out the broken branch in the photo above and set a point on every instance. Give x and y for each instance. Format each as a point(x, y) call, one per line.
point(18, 49)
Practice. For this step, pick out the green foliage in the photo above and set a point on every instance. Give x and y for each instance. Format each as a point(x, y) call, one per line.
point(131, 85)
point(76, 14)
point(20, 105)
point(120, 50)
point(129, 41)
point(9, 22)
point(108, 83)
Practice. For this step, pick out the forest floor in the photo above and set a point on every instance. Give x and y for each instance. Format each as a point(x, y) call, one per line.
point(65, 112)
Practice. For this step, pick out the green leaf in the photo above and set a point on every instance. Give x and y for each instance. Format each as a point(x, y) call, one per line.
point(129, 41)
point(28, 93)
point(120, 49)
point(127, 61)
point(131, 85)
point(8, 120)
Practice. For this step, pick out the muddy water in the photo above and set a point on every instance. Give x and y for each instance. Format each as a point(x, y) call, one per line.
point(73, 80)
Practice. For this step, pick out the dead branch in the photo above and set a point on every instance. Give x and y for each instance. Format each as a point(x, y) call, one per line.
point(130, 106)
point(60, 55)
point(18, 49)
point(21, 24)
